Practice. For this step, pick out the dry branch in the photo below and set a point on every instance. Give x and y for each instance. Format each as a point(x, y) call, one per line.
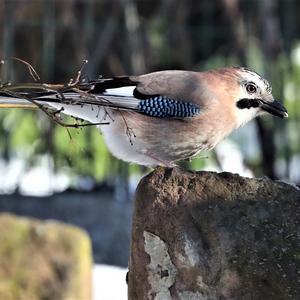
point(35, 93)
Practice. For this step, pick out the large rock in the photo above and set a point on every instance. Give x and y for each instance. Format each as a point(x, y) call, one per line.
point(214, 236)
point(43, 260)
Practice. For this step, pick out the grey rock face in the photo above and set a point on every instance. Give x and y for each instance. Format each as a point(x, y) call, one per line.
point(214, 236)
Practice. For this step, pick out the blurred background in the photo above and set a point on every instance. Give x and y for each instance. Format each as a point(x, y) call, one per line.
point(46, 174)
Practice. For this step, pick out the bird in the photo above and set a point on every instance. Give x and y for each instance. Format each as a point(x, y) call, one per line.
point(159, 118)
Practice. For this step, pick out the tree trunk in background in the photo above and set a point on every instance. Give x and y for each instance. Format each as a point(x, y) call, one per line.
point(235, 17)
point(271, 45)
point(214, 236)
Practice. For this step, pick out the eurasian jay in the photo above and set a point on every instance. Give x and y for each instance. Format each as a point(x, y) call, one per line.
point(161, 117)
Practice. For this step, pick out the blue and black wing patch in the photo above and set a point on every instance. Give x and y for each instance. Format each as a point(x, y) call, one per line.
point(164, 107)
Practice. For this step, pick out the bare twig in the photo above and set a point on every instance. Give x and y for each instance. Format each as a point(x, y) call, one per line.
point(73, 82)
point(32, 92)
point(31, 69)
point(53, 114)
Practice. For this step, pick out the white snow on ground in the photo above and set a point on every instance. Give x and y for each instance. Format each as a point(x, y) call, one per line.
point(231, 158)
point(294, 168)
point(10, 175)
point(39, 180)
point(109, 283)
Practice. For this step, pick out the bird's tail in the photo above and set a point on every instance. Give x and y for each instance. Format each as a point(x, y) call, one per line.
point(71, 99)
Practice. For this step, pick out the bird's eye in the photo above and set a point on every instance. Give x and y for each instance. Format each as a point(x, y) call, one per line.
point(251, 88)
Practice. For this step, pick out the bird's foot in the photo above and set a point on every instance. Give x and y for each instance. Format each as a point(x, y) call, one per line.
point(159, 162)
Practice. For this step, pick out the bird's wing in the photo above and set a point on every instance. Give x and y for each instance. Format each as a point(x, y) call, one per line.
point(164, 94)
point(174, 84)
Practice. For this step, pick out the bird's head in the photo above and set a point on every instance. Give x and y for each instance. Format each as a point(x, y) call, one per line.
point(248, 94)
point(255, 95)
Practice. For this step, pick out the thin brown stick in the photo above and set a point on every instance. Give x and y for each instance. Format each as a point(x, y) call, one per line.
point(51, 113)
point(31, 69)
point(85, 97)
point(79, 73)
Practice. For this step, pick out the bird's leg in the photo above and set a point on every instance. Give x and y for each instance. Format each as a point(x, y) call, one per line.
point(168, 164)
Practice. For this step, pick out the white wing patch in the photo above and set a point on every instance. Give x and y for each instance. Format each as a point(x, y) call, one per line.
point(126, 91)
point(87, 112)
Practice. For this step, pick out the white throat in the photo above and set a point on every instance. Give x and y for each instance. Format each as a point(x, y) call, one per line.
point(245, 115)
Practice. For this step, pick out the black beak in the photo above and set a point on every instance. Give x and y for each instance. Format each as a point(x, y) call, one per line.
point(275, 108)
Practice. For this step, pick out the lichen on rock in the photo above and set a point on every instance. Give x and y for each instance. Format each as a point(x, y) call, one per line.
point(43, 260)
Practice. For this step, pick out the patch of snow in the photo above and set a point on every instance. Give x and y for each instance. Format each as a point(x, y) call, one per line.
point(109, 283)
point(231, 159)
point(40, 180)
point(294, 168)
point(10, 175)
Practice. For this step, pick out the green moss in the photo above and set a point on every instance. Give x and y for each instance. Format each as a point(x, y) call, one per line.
point(43, 260)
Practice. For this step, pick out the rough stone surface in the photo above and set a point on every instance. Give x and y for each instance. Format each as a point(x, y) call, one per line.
point(214, 236)
point(43, 260)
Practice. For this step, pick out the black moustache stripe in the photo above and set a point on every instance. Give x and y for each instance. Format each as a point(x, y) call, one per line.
point(247, 103)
